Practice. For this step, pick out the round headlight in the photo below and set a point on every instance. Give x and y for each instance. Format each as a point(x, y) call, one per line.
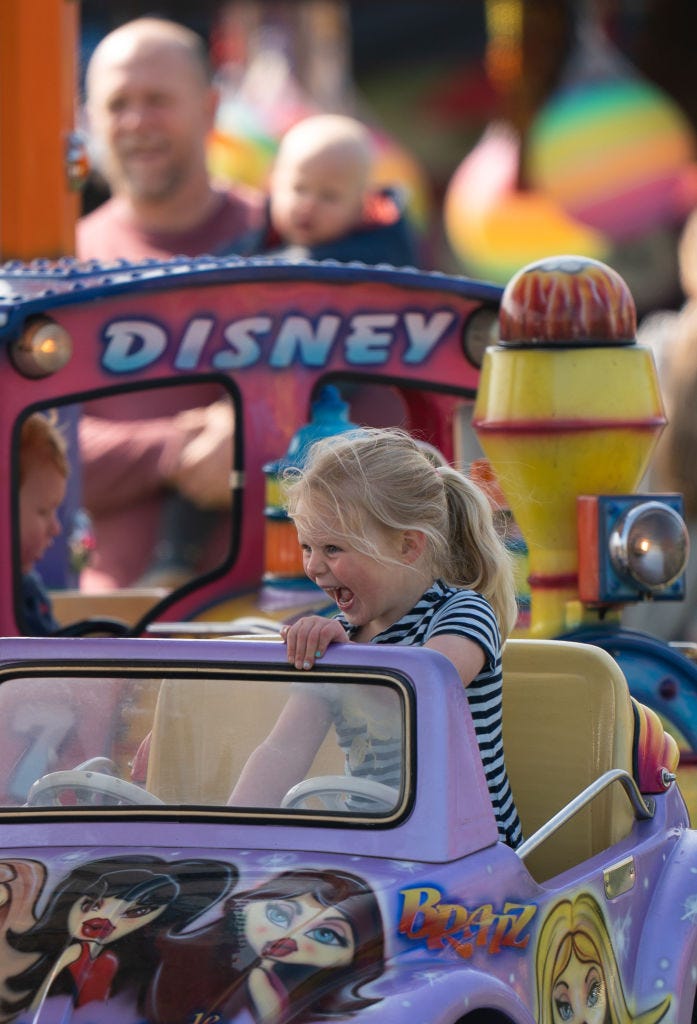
point(42, 348)
point(481, 330)
point(649, 545)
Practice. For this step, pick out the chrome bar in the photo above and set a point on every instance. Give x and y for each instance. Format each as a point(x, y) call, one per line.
point(644, 807)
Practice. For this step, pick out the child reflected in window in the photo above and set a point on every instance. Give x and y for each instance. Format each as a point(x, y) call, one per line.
point(43, 479)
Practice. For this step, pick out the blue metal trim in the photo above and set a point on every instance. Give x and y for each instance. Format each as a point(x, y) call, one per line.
point(658, 675)
point(28, 288)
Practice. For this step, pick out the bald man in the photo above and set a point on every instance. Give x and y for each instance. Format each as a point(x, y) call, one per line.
point(150, 106)
point(151, 470)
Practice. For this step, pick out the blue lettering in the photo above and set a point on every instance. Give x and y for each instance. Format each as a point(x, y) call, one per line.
point(296, 335)
point(244, 347)
point(195, 337)
point(132, 345)
point(369, 338)
point(424, 335)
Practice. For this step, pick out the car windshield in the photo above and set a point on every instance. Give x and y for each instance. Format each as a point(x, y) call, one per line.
point(258, 741)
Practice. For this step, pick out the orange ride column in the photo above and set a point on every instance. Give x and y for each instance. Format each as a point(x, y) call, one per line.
point(568, 404)
point(38, 74)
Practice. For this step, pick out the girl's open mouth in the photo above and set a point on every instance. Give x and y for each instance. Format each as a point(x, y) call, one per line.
point(343, 597)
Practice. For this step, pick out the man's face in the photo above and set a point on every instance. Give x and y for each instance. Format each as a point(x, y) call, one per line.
point(150, 112)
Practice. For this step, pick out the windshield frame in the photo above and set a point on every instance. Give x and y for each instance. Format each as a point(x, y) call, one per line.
point(110, 669)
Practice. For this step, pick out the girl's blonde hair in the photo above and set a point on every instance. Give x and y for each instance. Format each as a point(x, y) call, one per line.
point(41, 440)
point(385, 479)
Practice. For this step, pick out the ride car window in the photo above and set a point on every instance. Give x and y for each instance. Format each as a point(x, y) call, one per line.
point(103, 742)
point(148, 503)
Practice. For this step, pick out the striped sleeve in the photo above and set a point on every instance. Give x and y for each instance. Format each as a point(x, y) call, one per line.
point(468, 614)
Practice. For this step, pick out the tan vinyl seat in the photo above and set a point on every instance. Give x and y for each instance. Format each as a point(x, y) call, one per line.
point(567, 719)
point(128, 604)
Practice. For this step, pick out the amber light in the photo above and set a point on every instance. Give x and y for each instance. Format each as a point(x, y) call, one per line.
point(43, 348)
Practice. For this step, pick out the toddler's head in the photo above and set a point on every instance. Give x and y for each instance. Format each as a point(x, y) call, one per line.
point(43, 473)
point(320, 179)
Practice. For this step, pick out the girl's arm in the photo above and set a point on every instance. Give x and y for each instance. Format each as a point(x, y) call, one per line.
point(466, 655)
point(286, 754)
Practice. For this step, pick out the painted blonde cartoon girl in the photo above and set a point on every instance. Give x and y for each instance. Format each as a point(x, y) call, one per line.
point(578, 978)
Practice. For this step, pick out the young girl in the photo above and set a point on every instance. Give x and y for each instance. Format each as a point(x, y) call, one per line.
point(322, 203)
point(409, 553)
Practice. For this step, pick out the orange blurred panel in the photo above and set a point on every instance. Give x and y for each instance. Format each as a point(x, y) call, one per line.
point(38, 75)
point(283, 554)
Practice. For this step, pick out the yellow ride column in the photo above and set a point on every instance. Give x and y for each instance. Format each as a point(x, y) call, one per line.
point(568, 404)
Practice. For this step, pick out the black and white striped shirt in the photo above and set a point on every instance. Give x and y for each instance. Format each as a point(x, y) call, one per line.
point(445, 610)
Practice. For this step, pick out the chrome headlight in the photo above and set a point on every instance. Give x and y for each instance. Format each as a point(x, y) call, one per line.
point(631, 547)
point(649, 545)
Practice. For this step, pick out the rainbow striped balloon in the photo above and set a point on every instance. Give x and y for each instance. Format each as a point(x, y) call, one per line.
point(616, 154)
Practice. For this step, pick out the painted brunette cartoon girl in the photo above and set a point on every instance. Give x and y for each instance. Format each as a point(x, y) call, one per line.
point(302, 944)
point(97, 934)
point(578, 979)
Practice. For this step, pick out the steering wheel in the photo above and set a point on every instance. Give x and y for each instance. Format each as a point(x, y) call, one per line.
point(95, 627)
point(334, 789)
point(85, 786)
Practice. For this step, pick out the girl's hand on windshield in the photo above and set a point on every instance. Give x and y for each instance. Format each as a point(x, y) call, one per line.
point(308, 638)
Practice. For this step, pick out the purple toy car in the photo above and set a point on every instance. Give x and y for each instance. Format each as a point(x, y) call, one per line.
point(137, 885)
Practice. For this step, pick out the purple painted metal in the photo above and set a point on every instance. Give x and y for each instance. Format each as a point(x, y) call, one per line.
point(438, 918)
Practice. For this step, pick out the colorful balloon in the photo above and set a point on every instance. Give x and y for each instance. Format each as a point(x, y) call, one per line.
point(618, 155)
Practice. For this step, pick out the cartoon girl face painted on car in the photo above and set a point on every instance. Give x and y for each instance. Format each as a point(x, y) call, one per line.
point(97, 934)
point(99, 920)
point(305, 943)
point(299, 931)
point(578, 978)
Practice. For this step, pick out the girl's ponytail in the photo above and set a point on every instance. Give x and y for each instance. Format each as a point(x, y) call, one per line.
point(477, 557)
